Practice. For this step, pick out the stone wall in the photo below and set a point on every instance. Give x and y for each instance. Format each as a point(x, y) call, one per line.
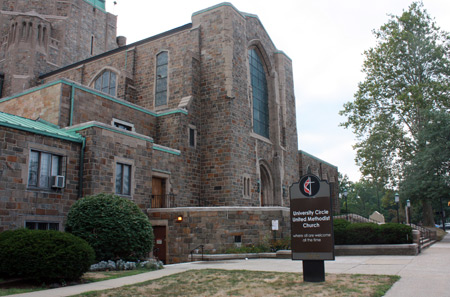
point(58, 33)
point(216, 228)
point(20, 203)
point(311, 164)
point(42, 103)
point(104, 148)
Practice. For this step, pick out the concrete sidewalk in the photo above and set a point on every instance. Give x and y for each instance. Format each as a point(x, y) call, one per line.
point(427, 274)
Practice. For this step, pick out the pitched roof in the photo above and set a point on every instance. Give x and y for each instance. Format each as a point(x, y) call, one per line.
point(37, 127)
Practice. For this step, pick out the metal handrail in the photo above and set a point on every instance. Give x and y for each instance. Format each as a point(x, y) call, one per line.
point(355, 218)
point(424, 233)
point(162, 201)
point(196, 249)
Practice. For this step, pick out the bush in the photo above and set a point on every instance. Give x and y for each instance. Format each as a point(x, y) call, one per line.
point(43, 255)
point(370, 233)
point(363, 233)
point(114, 226)
point(340, 233)
point(396, 233)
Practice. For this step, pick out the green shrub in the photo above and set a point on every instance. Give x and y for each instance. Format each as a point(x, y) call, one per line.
point(43, 255)
point(340, 231)
point(393, 233)
point(370, 233)
point(248, 249)
point(280, 244)
point(363, 233)
point(114, 226)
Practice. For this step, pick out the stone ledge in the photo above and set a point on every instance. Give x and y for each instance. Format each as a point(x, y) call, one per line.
point(374, 249)
point(340, 250)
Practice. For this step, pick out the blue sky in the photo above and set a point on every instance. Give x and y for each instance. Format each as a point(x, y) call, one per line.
point(324, 38)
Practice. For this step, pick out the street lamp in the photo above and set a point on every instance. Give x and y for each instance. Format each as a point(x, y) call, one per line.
point(397, 200)
point(408, 205)
point(346, 204)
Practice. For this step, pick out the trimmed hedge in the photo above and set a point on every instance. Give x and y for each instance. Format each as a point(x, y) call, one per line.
point(114, 226)
point(371, 233)
point(340, 233)
point(43, 255)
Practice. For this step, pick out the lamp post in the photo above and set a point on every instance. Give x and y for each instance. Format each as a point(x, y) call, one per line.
point(408, 205)
point(397, 200)
point(346, 204)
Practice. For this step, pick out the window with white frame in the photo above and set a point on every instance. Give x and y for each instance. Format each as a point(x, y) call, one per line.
point(123, 179)
point(42, 167)
point(106, 83)
point(162, 63)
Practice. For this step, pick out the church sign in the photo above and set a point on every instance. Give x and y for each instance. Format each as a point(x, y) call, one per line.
point(312, 237)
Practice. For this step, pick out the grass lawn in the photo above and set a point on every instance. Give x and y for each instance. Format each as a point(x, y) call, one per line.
point(20, 287)
point(215, 282)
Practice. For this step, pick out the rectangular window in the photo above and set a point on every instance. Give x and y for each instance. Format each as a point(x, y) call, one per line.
point(42, 226)
point(123, 179)
point(123, 125)
point(42, 167)
point(192, 136)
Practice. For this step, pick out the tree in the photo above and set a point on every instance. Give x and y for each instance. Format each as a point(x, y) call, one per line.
point(114, 226)
point(427, 176)
point(407, 76)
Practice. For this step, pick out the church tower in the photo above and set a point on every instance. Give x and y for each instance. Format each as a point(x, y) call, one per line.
point(40, 36)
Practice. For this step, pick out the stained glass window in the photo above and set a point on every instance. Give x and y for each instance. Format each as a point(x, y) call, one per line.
point(260, 95)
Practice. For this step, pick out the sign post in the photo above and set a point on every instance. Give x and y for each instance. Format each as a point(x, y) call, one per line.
point(312, 238)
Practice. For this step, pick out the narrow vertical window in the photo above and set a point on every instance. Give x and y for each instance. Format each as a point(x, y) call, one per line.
point(92, 45)
point(260, 95)
point(192, 136)
point(123, 179)
point(162, 62)
point(2, 78)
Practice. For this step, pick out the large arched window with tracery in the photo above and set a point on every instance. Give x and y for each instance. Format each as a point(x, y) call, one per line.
point(106, 83)
point(260, 94)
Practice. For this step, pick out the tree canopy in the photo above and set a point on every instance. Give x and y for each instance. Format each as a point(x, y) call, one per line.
point(407, 77)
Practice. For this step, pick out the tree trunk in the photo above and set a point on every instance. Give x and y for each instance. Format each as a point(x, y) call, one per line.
point(428, 218)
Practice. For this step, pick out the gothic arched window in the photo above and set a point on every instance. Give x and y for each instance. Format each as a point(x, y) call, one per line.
point(106, 83)
point(260, 94)
point(162, 63)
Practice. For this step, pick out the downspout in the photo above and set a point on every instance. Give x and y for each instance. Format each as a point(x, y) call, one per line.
point(72, 96)
point(80, 173)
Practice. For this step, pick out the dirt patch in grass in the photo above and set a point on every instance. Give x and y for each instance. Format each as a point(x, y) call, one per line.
point(214, 282)
point(16, 286)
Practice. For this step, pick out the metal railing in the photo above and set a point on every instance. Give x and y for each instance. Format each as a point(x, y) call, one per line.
point(425, 234)
point(196, 251)
point(354, 218)
point(163, 201)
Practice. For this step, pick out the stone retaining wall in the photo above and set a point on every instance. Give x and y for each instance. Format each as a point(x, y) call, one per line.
point(217, 228)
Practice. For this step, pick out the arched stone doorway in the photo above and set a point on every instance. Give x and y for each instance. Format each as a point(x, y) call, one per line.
point(266, 186)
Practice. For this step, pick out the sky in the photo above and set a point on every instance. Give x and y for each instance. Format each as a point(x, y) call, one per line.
point(325, 39)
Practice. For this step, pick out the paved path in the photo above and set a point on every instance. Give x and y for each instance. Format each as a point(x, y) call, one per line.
point(427, 274)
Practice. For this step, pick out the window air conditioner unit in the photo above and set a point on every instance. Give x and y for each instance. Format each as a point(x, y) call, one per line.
point(58, 181)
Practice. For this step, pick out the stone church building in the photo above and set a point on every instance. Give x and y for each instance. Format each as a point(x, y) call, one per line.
point(196, 125)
